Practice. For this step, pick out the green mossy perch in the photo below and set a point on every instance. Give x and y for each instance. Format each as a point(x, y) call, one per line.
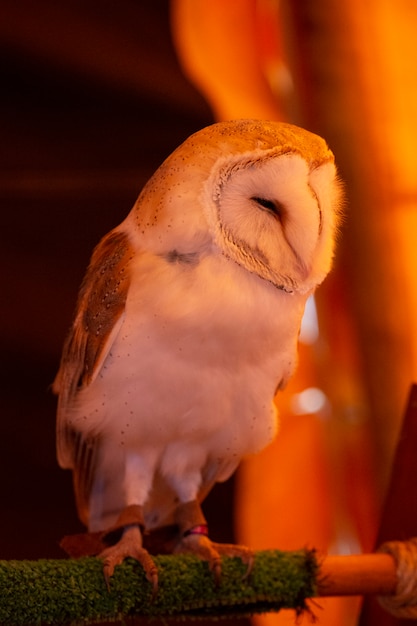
point(74, 591)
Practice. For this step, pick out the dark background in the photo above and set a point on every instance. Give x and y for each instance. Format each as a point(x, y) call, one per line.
point(92, 101)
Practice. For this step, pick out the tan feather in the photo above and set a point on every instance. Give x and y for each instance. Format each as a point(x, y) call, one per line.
point(100, 305)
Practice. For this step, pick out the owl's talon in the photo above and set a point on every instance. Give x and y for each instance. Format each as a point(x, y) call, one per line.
point(108, 571)
point(129, 545)
point(244, 553)
point(153, 579)
point(216, 569)
point(249, 563)
point(207, 550)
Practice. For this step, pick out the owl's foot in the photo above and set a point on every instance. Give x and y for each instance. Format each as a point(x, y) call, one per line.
point(195, 540)
point(200, 545)
point(129, 545)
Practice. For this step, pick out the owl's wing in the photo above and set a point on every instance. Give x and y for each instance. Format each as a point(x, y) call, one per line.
point(99, 314)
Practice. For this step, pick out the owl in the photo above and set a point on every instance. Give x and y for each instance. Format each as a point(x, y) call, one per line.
point(186, 326)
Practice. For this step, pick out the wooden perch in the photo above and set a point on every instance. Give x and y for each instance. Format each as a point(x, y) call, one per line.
point(357, 575)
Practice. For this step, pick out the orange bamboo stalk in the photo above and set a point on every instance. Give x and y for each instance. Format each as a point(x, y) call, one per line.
point(361, 574)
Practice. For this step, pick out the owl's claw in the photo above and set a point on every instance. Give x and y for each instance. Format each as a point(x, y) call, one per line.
point(194, 539)
point(129, 545)
point(207, 550)
point(244, 553)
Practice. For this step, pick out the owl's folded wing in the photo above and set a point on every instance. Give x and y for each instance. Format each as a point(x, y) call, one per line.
point(99, 313)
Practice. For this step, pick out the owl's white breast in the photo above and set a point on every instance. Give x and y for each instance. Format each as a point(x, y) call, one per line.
point(198, 357)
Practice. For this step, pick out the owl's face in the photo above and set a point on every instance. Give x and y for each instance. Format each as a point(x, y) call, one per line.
point(276, 217)
point(263, 193)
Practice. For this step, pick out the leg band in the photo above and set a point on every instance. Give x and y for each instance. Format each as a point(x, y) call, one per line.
point(91, 544)
point(189, 516)
point(132, 515)
point(202, 529)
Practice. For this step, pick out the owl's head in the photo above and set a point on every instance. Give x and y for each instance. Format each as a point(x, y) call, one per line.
point(266, 194)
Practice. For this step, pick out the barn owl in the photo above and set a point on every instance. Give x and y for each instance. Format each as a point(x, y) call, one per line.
point(186, 326)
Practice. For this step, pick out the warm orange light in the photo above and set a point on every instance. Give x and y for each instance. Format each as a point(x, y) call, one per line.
point(218, 44)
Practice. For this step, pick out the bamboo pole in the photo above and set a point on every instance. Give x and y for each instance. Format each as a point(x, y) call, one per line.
point(361, 574)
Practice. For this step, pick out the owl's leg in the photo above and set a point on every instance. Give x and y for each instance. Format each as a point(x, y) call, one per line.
point(194, 539)
point(127, 534)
